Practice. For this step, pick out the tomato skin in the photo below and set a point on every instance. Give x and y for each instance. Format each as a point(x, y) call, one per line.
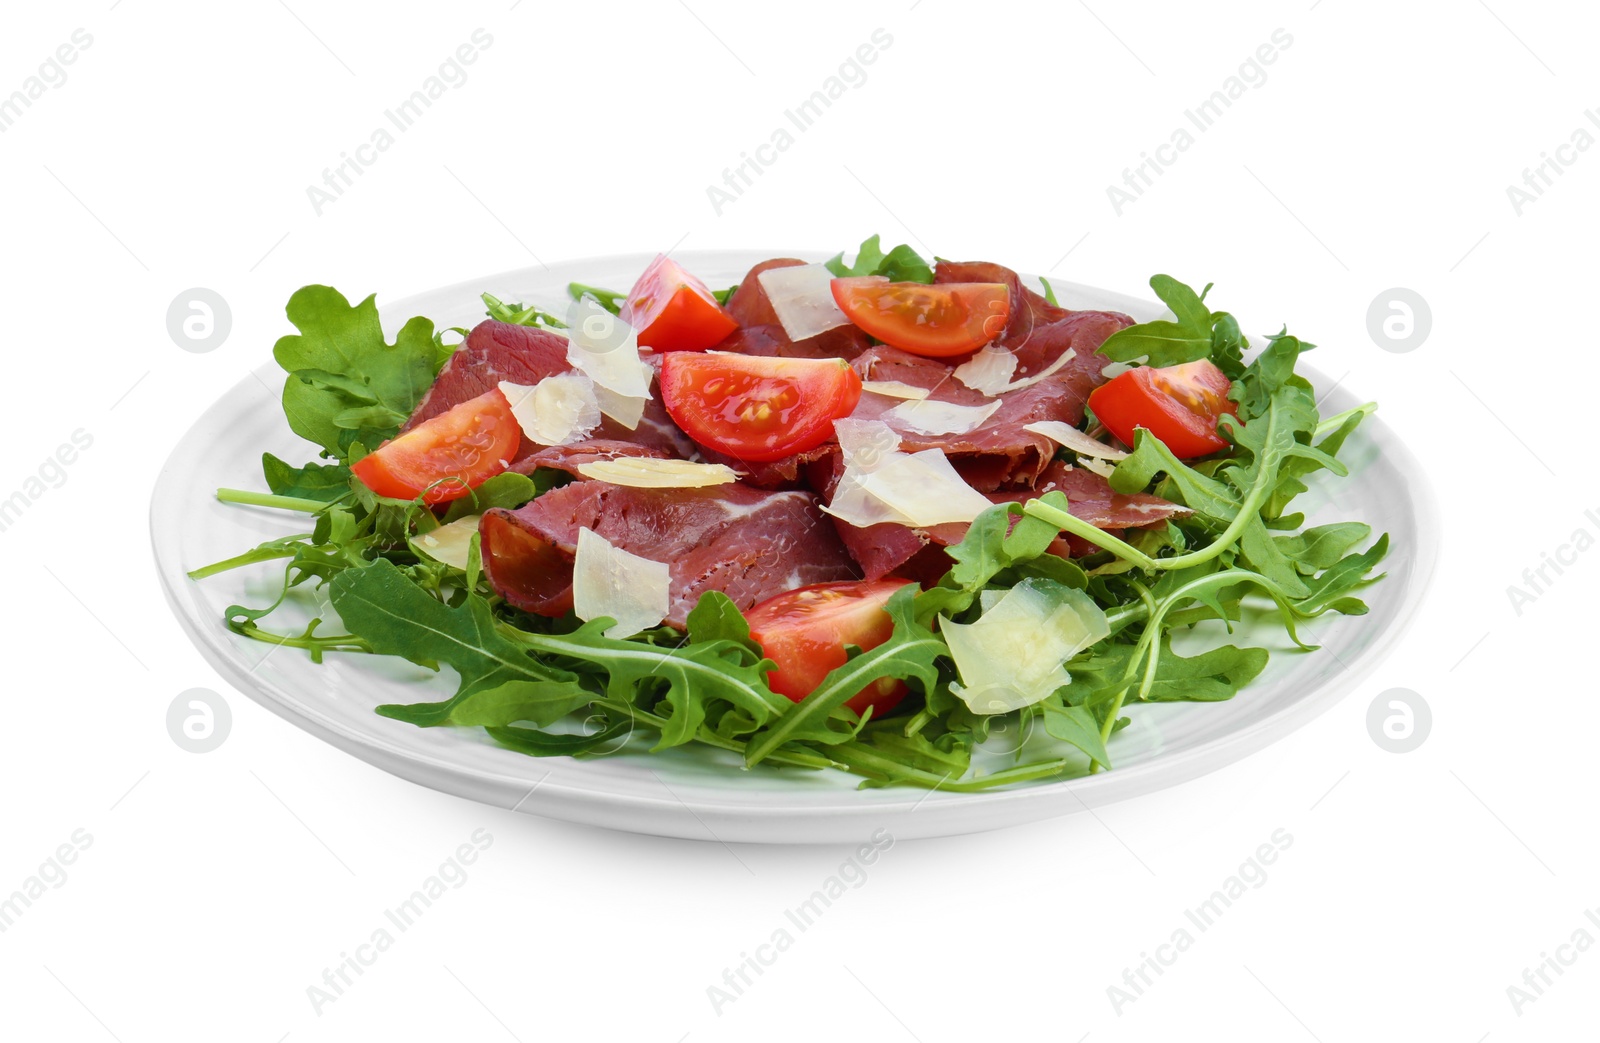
point(471, 441)
point(1180, 405)
point(936, 321)
point(757, 408)
point(673, 311)
point(804, 631)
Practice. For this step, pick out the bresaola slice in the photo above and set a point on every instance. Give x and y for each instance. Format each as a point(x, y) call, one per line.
point(745, 542)
point(917, 553)
point(500, 351)
point(762, 334)
point(569, 458)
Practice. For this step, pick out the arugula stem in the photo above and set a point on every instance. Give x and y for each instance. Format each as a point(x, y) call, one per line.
point(1333, 423)
point(711, 738)
point(1266, 478)
point(249, 557)
point(283, 503)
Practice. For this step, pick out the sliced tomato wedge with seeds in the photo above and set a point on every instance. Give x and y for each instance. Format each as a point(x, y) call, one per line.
point(445, 458)
point(935, 321)
point(673, 311)
point(805, 632)
point(1181, 405)
point(757, 408)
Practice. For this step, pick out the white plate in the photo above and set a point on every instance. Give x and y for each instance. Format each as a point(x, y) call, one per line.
point(698, 793)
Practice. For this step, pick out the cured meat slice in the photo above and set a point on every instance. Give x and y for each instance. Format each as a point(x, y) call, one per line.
point(885, 548)
point(493, 351)
point(999, 452)
point(569, 458)
point(747, 543)
point(762, 333)
point(500, 351)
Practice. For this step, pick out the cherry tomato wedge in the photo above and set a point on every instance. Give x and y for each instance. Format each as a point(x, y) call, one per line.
point(757, 408)
point(674, 311)
point(469, 444)
point(804, 631)
point(935, 321)
point(1178, 404)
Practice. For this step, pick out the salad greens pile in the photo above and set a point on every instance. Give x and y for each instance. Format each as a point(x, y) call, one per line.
point(548, 687)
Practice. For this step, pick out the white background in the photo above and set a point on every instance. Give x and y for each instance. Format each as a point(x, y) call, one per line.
point(1377, 154)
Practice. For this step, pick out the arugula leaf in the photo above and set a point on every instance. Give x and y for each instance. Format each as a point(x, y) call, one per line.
point(537, 743)
point(610, 300)
point(1194, 333)
point(1166, 342)
point(1076, 725)
point(314, 481)
point(393, 615)
point(507, 489)
point(992, 544)
point(519, 315)
point(902, 264)
point(694, 676)
point(340, 361)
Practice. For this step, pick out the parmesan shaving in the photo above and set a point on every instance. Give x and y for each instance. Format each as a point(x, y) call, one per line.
point(989, 371)
point(645, 472)
point(1013, 655)
point(606, 350)
point(1099, 467)
point(1070, 437)
point(634, 592)
point(986, 371)
point(559, 410)
point(930, 417)
point(881, 484)
point(802, 297)
point(894, 389)
point(450, 544)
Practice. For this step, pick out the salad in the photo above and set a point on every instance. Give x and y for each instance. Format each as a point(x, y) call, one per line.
point(864, 516)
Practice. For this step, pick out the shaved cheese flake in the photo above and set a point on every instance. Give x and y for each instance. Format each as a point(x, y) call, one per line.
point(986, 371)
point(802, 296)
point(989, 371)
point(625, 410)
point(1102, 468)
point(559, 410)
point(647, 472)
point(606, 350)
point(608, 581)
point(1067, 435)
point(1013, 654)
point(881, 484)
point(865, 443)
point(894, 389)
point(930, 417)
point(450, 544)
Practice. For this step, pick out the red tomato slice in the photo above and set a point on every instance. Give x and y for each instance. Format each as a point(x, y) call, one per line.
point(757, 408)
point(1180, 405)
point(470, 444)
point(804, 631)
point(935, 321)
point(674, 311)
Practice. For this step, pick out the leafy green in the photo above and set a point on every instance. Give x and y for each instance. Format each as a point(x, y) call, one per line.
point(346, 383)
point(902, 264)
point(610, 300)
point(520, 315)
